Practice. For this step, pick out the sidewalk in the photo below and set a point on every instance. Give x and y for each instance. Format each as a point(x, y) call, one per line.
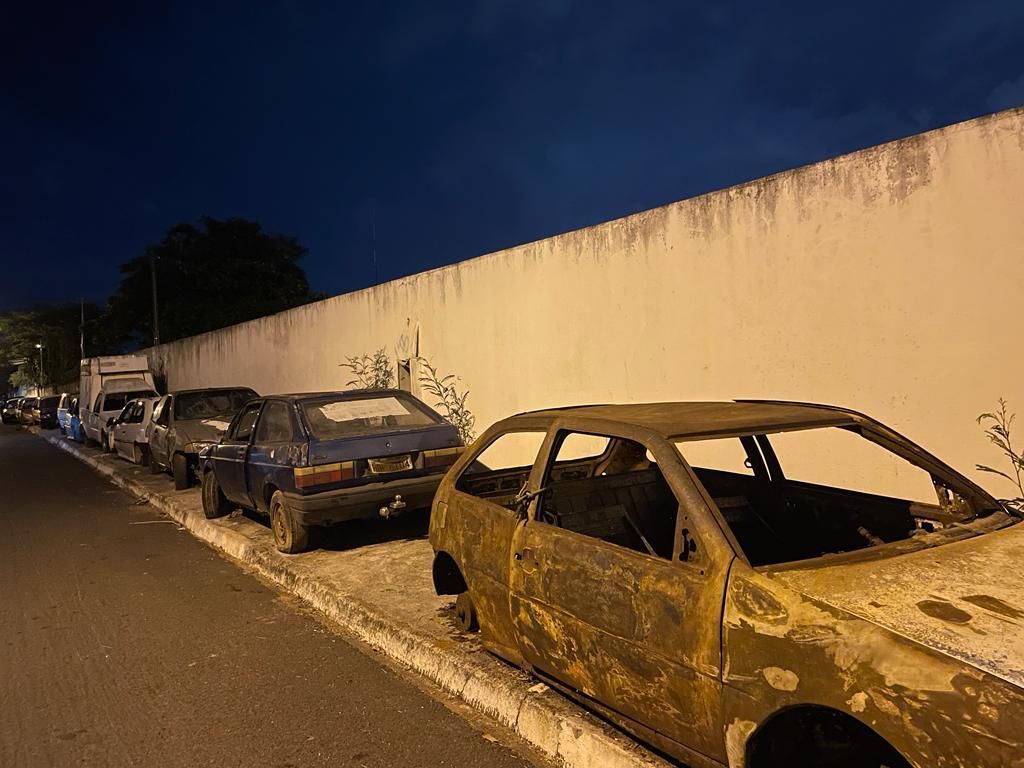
point(377, 585)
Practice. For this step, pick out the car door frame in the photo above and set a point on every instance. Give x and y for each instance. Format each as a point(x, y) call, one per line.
point(272, 465)
point(230, 456)
point(121, 428)
point(480, 532)
point(652, 668)
point(158, 433)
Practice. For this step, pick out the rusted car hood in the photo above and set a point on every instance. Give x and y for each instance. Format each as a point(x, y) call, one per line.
point(964, 599)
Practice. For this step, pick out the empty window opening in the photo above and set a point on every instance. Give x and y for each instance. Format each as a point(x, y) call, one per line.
point(502, 468)
point(802, 494)
point(612, 490)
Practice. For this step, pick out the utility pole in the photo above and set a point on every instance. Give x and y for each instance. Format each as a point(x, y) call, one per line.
point(156, 316)
point(39, 378)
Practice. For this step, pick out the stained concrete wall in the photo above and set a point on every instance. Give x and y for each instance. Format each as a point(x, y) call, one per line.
point(889, 280)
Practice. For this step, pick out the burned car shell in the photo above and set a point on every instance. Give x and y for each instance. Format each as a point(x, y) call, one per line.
point(715, 661)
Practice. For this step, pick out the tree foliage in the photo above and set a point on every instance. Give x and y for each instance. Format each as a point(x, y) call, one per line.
point(209, 276)
point(57, 328)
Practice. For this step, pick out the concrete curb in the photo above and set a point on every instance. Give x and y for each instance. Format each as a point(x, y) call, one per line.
point(544, 719)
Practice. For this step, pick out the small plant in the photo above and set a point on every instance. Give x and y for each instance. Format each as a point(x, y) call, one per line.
point(998, 432)
point(449, 401)
point(371, 371)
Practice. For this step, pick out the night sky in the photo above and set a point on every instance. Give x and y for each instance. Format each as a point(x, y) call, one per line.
point(453, 128)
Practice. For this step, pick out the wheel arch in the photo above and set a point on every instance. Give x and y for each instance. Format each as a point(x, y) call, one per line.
point(447, 576)
point(789, 728)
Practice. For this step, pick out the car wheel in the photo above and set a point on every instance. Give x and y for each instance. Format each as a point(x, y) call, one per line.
point(290, 536)
point(103, 442)
point(154, 467)
point(180, 470)
point(215, 503)
point(465, 613)
point(143, 456)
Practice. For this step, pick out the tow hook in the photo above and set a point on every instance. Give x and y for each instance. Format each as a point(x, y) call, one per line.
point(394, 509)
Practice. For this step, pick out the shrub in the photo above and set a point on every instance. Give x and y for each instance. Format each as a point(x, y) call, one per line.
point(371, 371)
point(998, 431)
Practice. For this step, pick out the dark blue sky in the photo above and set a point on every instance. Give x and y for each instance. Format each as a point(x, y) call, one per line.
point(460, 128)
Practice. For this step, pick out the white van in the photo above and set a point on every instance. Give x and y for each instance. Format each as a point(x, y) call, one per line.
point(107, 384)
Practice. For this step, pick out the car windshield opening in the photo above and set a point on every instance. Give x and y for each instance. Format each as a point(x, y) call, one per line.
point(209, 405)
point(342, 417)
point(802, 494)
point(116, 401)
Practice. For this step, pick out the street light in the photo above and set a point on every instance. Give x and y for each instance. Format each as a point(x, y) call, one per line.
point(39, 381)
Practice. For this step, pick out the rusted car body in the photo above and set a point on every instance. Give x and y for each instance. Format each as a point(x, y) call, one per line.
point(730, 613)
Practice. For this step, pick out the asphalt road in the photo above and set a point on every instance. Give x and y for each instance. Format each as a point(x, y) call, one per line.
point(126, 642)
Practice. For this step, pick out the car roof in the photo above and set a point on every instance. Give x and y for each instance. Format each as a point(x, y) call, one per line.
point(348, 394)
point(210, 389)
point(699, 419)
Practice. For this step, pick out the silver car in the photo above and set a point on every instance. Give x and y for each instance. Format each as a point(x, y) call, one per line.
point(187, 421)
point(126, 433)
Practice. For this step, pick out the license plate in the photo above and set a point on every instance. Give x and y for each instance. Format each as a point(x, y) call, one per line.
point(391, 464)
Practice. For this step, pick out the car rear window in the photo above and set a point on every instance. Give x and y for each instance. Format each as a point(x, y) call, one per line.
point(49, 402)
point(341, 417)
point(208, 405)
point(116, 401)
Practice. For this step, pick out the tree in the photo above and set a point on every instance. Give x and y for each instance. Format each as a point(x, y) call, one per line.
point(209, 277)
point(57, 328)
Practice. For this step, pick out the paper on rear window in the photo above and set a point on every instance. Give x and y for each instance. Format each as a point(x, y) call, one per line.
point(350, 410)
point(359, 416)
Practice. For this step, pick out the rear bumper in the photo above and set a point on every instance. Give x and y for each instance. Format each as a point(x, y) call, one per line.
point(364, 501)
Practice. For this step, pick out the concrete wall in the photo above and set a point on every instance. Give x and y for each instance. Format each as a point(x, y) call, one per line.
point(889, 280)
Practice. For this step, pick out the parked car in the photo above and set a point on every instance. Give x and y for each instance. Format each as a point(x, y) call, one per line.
point(110, 401)
point(48, 411)
point(29, 413)
point(318, 459)
point(748, 583)
point(126, 433)
point(74, 422)
point(62, 411)
point(185, 422)
point(12, 410)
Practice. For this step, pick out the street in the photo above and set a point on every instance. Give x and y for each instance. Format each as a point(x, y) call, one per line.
point(128, 642)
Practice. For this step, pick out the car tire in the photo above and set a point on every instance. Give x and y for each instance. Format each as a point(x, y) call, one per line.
point(215, 503)
point(180, 470)
point(290, 536)
point(143, 455)
point(154, 467)
point(104, 445)
point(465, 613)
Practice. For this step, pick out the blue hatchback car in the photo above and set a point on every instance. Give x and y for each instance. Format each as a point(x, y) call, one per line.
point(318, 459)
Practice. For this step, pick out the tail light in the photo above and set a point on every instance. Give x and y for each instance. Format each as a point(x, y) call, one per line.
point(305, 477)
point(441, 457)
